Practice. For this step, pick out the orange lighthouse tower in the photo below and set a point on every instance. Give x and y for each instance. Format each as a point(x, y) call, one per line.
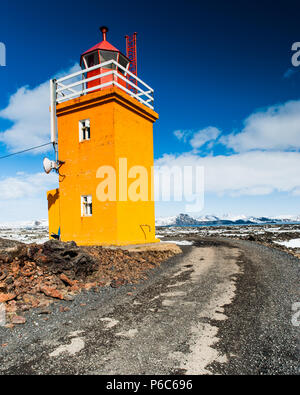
point(102, 130)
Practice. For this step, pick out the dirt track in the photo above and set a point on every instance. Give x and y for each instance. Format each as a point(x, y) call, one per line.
point(224, 306)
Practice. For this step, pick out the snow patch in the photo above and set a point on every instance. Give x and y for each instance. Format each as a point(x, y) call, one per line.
point(294, 243)
point(179, 242)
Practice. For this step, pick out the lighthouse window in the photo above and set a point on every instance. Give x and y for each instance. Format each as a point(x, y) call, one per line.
point(92, 59)
point(106, 56)
point(123, 62)
point(86, 206)
point(84, 130)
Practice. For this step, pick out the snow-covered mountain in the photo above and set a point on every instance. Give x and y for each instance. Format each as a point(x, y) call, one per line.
point(179, 220)
point(24, 224)
point(187, 220)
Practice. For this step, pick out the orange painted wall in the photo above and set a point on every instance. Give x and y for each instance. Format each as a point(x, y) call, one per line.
point(134, 140)
point(121, 127)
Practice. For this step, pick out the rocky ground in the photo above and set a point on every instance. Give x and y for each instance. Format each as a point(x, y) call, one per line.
point(223, 306)
point(35, 275)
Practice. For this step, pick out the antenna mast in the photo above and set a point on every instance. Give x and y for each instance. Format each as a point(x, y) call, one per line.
point(132, 56)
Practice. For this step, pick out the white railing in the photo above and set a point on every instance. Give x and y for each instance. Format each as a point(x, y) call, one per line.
point(74, 85)
point(141, 91)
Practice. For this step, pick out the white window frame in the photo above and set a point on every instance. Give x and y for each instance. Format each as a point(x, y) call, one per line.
point(86, 206)
point(84, 135)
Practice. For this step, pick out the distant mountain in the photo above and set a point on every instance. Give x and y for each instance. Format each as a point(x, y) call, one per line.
point(24, 224)
point(207, 220)
point(179, 220)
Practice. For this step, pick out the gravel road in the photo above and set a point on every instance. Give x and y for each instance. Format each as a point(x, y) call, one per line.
point(222, 307)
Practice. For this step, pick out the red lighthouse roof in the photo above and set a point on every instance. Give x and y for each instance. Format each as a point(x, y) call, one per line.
point(111, 57)
point(103, 45)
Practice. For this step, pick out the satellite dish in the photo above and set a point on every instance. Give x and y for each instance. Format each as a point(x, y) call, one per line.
point(49, 165)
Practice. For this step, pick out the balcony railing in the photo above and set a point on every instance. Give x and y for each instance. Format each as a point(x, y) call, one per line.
point(76, 84)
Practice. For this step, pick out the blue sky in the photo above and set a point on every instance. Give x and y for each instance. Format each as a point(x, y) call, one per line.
point(225, 89)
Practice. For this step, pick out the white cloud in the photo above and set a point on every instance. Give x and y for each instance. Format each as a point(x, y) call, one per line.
point(26, 186)
point(275, 128)
point(23, 196)
point(199, 138)
point(23, 209)
point(203, 136)
point(182, 135)
point(28, 109)
point(252, 173)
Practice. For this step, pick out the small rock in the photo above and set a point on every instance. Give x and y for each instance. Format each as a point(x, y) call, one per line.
point(9, 280)
point(44, 311)
point(11, 307)
point(3, 275)
point(3, 287)
point(88, 286)
point(52, 292)
point(31, 300)
point(67, 280)
point(63, 309)
point(9, 326)
point(6, 297)
point(24, 307)
point(18, 320)
point(117, 283)
point(75, 288)
point(69, 297)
